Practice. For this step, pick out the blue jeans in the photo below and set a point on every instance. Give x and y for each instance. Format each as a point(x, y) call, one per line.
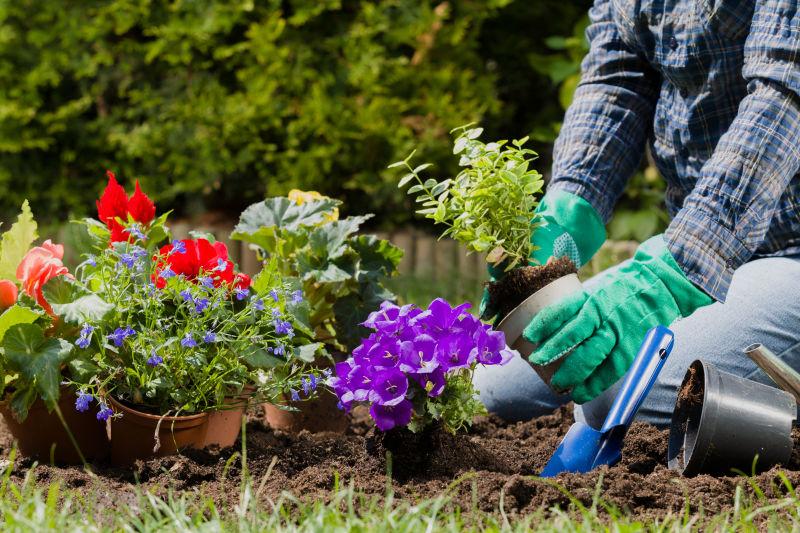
point(763, 305)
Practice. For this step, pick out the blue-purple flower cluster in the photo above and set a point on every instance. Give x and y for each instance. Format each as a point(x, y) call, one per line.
point(413, 353)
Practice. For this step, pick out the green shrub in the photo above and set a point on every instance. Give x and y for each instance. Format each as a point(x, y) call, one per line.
point(235, 100)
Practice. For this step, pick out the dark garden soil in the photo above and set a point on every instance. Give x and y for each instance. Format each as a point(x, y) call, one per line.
point(494, 460)
point(518, 284)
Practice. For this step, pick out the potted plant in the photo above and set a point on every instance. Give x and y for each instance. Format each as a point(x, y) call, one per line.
point(490, 207)
point(342, 275)
point(35, 405)
point(415, 372)
point(187, 340)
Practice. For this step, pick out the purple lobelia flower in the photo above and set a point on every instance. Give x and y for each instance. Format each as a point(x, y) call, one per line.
point(389, 416)
point(136, 232)
point(167, 273)
point(295, 396)
point(104, 413)
point(207, 282)
point(296, 297)
point(210, 337)
point(389, 387)
point(241, 294)
point(86, 336)
point(154, 359)
point(282, 327)
point(188, 341)
point(178, 247)
point(274, 295)
point(91, 260)
point(258, 305)
point(120, 334)
point(83, 401)
point(201, 304)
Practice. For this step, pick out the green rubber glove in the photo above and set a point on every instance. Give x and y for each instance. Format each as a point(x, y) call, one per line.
point(565, 225)
point(605, 328)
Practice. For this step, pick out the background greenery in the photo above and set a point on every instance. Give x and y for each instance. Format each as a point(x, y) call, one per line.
point(214, 104)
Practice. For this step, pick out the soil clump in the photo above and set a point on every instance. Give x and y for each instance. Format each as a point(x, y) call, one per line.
point(518, 284)
point(494, 462)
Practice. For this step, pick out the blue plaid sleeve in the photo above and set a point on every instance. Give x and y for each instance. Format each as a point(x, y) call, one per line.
point(601, 142)
point(726, 216)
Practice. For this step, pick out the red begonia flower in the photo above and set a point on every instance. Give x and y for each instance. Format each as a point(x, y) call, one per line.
point(8, 294)
point(40, 265)
point(199, 257)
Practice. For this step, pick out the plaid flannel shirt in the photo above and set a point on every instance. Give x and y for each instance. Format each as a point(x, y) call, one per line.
point(714, 87)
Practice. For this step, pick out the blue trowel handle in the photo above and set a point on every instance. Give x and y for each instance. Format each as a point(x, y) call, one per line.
point(653, 353)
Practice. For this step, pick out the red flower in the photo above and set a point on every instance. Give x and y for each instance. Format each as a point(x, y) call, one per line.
point(40, 265)
point(114, 204)
point(193, 258)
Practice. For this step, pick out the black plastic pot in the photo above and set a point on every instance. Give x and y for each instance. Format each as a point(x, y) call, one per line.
point(725, 421)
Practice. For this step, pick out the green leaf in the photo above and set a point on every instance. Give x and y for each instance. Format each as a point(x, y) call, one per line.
point(404, 180)
point(330, 240)
point(37, 359)
point(16, 243)
point(378, 258)
point(307, 352)
point(260, 222)
point(82, 370)
point(354, 308)
point(73, 302)
point(14, 315)
point(257, 357)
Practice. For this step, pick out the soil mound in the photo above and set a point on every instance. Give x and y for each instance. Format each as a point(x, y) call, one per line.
point(520, 283)
point(494, 458)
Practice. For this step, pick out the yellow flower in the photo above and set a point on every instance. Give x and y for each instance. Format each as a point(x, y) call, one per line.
point(300, 197)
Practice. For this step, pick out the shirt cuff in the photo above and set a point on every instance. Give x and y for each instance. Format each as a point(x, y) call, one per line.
point(586, 190)
point(707, 252)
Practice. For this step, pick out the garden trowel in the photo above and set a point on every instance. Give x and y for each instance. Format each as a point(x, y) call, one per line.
point(585, 448)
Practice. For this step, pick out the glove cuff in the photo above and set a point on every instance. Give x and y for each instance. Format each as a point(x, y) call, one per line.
point(654, 254)
point(567, 225)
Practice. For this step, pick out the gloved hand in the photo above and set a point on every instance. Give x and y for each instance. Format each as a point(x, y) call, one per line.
point(606, 327)
point(565, 225)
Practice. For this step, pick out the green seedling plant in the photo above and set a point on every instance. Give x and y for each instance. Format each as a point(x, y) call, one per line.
point(490, 205)
point(343, 273)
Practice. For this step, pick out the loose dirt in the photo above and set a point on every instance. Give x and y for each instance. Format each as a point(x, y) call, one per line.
point(520, 283)
point(495, 462)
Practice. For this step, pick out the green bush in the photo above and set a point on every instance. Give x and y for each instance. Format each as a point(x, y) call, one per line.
point(238, 99)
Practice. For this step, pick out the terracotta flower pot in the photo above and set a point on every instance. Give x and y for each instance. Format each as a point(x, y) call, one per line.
point(42, 432)
point(320, 414)
point(133, 435)
point(225, 426)
point(518, 319)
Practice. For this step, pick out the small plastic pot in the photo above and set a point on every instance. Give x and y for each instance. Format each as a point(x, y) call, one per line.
point(42, 432)
point(316, 416)
point(721, 422)
point(518, 319)
point(138, 435)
